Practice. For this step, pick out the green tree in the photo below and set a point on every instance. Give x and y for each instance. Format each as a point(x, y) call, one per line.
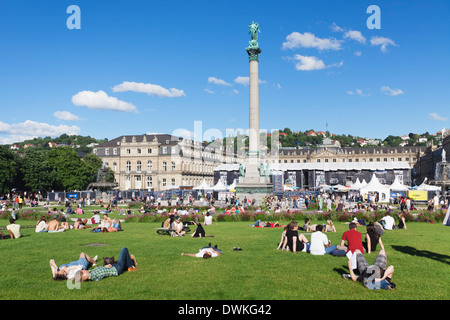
point(67, 168)
point(9, 170)
point(36, 171)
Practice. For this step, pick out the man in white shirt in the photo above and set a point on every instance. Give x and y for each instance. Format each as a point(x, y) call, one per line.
point(436, 202)
point(387, 222)
point(319, 242)
point(205, 253)
point(14, 229)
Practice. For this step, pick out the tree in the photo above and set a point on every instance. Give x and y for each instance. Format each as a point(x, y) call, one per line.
point(36, 171)
point(9, 170)
point(67, 168)
point(392, 141)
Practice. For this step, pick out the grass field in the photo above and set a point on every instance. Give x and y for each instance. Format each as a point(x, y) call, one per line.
point(420, 255)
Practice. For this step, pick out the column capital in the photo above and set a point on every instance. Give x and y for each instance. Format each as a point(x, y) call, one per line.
point(253, 53)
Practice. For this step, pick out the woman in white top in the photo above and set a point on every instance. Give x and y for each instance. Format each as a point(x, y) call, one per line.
point(41, 226)
point(208, 219)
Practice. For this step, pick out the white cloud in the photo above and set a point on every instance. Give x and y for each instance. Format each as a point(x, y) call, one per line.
point(245, 80)
point(391, 92)
point(358, 92)
point(66, 115)
point(148, 88)
point(308, 40)
point(29, 129)
point(355, 35)
point(358, 53)
point(101, 101)
point(435, 116)
point(306, 63)
point(335, 28)
point(383, 42)
point(208, 91)
point(218, 81)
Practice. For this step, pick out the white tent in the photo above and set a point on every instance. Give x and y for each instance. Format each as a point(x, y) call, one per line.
point(340, 187)
point(376, 186)
point(363, 183)
point(398, 186)
point(232, 186)
point(219, 186)
point(357, 185)
point(426, 187)
point(203, 186)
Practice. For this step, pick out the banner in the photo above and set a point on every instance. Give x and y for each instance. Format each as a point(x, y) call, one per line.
point(418, 195)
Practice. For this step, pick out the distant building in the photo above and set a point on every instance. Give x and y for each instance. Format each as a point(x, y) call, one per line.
point(161, 161)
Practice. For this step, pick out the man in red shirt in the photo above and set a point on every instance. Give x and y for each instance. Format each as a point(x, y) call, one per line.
point(353, 238)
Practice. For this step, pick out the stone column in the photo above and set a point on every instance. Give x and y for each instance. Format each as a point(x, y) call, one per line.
point(254, 138)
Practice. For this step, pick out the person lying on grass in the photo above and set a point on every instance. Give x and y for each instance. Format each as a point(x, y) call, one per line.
point(265, 224)
point(205, 252)
point(69, 270)
point(375, 276)
point(126, 262)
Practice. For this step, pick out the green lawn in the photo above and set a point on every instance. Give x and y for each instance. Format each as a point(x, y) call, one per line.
point(420, 256)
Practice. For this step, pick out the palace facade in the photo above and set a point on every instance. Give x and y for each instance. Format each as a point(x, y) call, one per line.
point(162, 161)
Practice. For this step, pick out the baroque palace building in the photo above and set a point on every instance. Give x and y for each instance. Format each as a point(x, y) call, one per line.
point(329, 152)
point(162, 161)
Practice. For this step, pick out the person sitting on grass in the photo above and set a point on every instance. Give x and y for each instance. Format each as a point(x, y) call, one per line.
point(69, 270)
point(177, 228)
point(116, 225)
point(293, 240)
point(330, 226)
point(208, 219)
point(319, 242)
point(53, 226)
point(14, 229)
point(205, 252)
point(126, 262)
point(65, 224)
point(200, 232)
point(104, 225)
point(375, 276)
point(283, 237)
point(353, 238)
point(41, 226)
point(372, 239)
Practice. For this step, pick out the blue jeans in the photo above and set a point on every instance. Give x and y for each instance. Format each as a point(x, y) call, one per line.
point(82, 261)
point(330, 249)
point(124, 261)
point(256, 224)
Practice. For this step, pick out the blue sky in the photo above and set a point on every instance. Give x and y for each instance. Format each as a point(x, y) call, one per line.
point(137, 67)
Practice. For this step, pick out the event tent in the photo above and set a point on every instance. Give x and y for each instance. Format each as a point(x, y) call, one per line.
point(398, 186)
point(220, 186)
point(203, 186)
point(426, 187)
point(232, 187)
point(376, 186)
point(357, 185)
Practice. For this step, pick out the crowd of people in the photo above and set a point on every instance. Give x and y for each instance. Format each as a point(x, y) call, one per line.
point(294, 238)
point(353, 244)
